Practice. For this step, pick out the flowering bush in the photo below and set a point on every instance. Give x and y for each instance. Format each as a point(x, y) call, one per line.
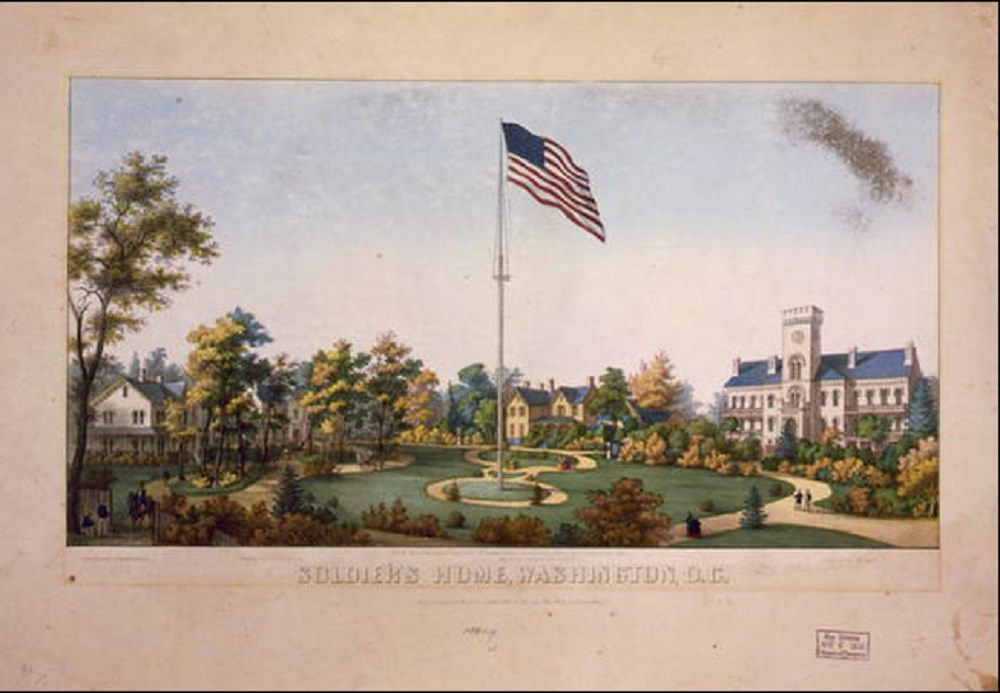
point(423, 435)
point(512, 531)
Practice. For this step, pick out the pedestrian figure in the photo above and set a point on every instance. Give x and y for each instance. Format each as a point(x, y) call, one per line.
point(103, 517)
point(87, 524)
point(809, 501)
point(798, 499)
point(693, 525)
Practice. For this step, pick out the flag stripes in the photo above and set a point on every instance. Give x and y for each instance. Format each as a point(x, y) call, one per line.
point(544, 169)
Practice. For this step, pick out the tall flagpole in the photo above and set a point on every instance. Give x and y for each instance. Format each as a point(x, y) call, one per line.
point(501, 277)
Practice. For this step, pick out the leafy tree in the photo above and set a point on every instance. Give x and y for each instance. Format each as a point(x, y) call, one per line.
point(920, 481)
point(610, 400)
point(422, 405)
point(922, 411)
point(133, 368)
point(685, 406)
point(654, 386)
point(182, 428)
point(485, 419)
point(625, 516)
point(873, 429)
point(465, 396)
point(730, 425)
point(390, 371)
point(290, 496)
point(276, 384)
point(129, 250)
point(788, 444)
point(157, 365)
point(753, 515)
point(718, 405)
point(224, 369)
point(337, 390)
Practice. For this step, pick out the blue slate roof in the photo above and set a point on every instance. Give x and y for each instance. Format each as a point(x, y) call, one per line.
point(575, 395)
point(533, 397)
point(885, 363)
point(754, 373)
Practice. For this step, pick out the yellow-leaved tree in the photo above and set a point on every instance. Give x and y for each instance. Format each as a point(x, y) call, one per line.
point(654, 386)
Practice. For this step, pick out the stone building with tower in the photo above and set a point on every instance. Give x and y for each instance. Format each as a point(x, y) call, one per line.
point(810, 391)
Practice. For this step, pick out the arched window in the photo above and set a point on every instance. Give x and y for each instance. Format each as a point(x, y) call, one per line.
point(795, 365)
point(795, 397)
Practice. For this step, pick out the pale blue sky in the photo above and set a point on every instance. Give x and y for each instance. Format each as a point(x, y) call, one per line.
point(344, 209)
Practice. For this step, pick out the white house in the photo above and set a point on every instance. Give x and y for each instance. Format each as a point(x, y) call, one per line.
point(810, 391)
point(130, 414)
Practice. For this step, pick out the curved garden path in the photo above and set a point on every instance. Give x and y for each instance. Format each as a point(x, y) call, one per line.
point(907, 533)
point(518, 476)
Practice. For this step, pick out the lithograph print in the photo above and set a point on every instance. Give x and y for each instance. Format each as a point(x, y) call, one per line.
point(523, 314)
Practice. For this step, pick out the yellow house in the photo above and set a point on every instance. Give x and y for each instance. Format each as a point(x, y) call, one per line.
point(528, 406)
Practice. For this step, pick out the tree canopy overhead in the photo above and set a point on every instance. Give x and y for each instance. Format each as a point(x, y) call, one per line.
point(131, 245)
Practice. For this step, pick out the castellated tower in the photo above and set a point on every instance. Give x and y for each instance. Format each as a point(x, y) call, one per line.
point(802, 351)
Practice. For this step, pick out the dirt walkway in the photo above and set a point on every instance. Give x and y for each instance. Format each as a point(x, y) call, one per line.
point(907, 533)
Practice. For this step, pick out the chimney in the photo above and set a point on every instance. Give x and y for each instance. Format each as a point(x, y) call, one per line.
point(908, 354)
point(736, 366)
point(590, 382)
point(852, 358)
point(552, 385)
point(772, 365)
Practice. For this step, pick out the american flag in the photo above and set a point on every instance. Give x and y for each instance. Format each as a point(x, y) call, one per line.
point(546, 170)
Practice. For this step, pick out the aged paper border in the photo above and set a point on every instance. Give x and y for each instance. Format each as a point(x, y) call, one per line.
point(932, 617)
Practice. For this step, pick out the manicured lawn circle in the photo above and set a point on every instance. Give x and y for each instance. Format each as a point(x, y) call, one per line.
point(780, 536)
point(683, 489)
point(488, 490)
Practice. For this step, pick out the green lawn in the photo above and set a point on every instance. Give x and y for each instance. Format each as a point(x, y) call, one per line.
point(254, 473)
point(683, 489)
point(779, 536)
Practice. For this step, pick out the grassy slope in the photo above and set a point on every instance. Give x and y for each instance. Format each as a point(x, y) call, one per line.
point(683, 489)
point(779, 536)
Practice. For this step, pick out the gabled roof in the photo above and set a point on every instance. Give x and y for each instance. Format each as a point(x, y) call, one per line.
point(157, 393)
point(885, 363)
point(575, 395)
point(533, 397)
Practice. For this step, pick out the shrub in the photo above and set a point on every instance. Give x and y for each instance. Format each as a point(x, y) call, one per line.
point(395, 519)
point(512, 531)
point(775, 490)
point(748, 469)
point(624, 516)
point(537, 494)
point(707, 506)
point(568, 534)
point(455, 520)
point(452, 492)
point(769, 464)
point(753, 515)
